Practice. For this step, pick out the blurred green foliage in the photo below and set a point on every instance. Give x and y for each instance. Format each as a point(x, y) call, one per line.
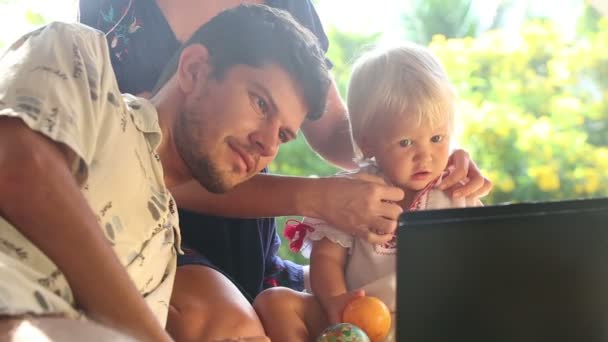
point(34, 18)
point(534, 109)
point(427, 18)
point(31, 17)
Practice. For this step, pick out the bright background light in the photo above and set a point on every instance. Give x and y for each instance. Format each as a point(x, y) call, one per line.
point(14, 15)
point(360, 16)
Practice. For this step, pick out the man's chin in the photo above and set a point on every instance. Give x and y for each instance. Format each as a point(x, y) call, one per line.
point(215, 186)
point(223, 186)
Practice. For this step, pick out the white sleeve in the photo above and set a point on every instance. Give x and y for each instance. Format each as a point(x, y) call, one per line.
point(58, 80)
point(322, 230)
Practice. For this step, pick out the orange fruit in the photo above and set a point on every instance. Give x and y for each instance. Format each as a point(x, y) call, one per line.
point(371, 315)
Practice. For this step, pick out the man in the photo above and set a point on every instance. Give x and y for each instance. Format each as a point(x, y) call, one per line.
point(88, 227)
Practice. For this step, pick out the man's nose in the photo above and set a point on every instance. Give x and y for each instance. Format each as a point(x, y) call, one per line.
point(266, 141)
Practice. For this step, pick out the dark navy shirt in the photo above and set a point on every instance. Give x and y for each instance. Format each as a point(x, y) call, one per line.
point(141, 43)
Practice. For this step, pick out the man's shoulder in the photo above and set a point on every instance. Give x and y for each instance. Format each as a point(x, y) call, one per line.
point(63, 28)
point(62, 33)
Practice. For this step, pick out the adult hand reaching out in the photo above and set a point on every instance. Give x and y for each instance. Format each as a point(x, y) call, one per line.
point(362, 205)
point(466, 179)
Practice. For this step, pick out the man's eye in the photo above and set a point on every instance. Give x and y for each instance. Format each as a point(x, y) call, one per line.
point(405, 142)
point(260, 105)
point(437, 138)
point(284, 137)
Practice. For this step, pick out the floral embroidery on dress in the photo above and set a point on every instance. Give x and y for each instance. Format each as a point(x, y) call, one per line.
point(119, 23)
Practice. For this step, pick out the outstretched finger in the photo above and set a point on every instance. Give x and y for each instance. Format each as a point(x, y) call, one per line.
point(483, 191)
point(467, 189)
point(460, 165)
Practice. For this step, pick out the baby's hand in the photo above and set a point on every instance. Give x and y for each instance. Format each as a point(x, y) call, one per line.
point(334, 306)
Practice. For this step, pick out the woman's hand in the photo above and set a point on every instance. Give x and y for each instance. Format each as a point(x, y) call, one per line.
point(466, 179)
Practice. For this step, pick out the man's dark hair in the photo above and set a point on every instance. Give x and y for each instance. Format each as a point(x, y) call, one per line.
point(257, 35)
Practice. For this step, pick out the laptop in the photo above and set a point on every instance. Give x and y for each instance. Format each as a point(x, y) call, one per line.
point(512, 273)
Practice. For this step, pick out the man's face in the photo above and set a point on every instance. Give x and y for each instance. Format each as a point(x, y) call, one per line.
point(230, 129)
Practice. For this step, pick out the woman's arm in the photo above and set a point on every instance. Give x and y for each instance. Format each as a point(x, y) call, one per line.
point(330, 135)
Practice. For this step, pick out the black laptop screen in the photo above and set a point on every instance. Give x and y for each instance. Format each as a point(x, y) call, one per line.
point(523, 272)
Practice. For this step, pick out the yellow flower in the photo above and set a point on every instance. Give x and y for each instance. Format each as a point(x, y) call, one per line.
point(601, 158)
point(503, 130)
point(506, 184)
point(592, 183)
point(546, 177)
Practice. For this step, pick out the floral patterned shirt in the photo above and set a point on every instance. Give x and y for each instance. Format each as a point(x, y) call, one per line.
point(59, 81)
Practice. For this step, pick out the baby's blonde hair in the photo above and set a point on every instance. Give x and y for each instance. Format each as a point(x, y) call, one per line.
point(387, 83)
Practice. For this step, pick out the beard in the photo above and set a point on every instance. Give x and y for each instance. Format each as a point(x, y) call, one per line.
point(208, 175)
point(188, 135)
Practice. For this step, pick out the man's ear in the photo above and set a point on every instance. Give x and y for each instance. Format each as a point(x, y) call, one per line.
point(366, 147)
point(194, 66)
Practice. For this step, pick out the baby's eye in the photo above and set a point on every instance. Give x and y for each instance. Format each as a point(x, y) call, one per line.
point(405, 142)
point(437, 138)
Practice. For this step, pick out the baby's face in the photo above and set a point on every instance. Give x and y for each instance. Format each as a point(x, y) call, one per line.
point(412, 154)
